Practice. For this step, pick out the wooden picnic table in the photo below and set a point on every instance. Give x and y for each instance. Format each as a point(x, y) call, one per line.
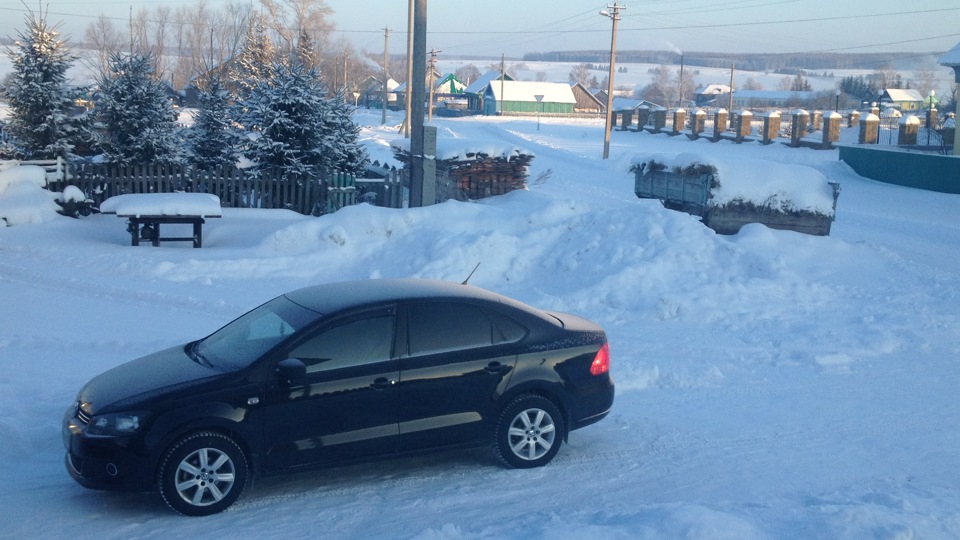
point(145, 212)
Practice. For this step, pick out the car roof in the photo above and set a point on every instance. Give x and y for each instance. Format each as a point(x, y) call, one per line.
point(330, 298)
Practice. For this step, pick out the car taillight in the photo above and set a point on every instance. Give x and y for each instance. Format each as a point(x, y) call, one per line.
point(601, 362)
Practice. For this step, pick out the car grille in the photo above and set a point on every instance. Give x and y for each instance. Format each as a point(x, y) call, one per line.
point(82, 416)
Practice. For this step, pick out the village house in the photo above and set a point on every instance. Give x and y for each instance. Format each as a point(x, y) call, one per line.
point(903, 100)
point(478, 88)
point(520, 97)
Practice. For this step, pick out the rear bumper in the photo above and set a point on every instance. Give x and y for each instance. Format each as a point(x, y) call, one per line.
point(595, 402)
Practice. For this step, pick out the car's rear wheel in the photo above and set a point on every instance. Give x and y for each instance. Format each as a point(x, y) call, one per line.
point(529, 432)
point(202, 474)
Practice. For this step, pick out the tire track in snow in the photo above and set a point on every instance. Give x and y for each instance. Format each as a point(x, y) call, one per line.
point(76, 288)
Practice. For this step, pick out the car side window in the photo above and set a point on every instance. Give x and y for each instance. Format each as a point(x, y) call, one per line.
point(445, 326)
point(352, 343)
point(505, 329)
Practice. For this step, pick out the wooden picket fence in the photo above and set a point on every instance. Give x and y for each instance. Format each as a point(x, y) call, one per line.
point(235, 187)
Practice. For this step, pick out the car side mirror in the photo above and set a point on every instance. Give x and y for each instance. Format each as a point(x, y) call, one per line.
point(292, 371)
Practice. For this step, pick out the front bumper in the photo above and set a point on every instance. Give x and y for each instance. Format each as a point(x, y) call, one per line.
point(108, 463)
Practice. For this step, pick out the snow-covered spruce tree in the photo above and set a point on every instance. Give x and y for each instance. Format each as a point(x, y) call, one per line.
point(294, 127)
point(212, 139)
point(255, 61)
point(137, 121)
point(38, 93)
point(343, 151)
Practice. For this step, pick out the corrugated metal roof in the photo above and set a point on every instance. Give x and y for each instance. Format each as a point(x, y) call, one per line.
point(479, 85)
point(951, 57)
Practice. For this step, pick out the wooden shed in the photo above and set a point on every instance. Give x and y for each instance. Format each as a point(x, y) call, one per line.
point(587, 101)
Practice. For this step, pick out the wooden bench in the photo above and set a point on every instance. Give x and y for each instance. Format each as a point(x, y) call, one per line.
point(146, 212)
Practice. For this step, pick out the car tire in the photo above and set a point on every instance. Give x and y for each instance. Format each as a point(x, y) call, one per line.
point(529, 432)
point(202, 474)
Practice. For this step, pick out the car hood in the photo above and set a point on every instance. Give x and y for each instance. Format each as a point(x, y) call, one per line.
point(129, 385)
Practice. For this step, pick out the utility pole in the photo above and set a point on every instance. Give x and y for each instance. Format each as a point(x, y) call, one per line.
point(407, 96)
point(416, 111)
point(730, 101)
point(503, 77)
point(346, 55)
point(433, 67)
point(680, 90)
point(386, 73)
point(614, 15)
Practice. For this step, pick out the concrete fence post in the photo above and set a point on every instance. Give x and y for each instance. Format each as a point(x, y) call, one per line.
point(771, 126)
point(699, 123)
point(908, 131)
point(869, 129)
point(744, 125)
point(643, 116)
point(626, 120)
point(854, 119)
point(816, 121)
point(831, 131)
point(659, 119)
point(719, 123)
point(798, 126)
point(679, 120)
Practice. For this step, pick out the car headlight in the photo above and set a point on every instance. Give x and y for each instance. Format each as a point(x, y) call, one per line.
point(115, 424)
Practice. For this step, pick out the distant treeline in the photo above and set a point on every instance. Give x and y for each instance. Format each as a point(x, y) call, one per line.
point(767, 62)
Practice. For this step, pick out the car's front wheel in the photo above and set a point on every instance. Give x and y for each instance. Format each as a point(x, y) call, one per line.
point(202, 474)
point(529, 432)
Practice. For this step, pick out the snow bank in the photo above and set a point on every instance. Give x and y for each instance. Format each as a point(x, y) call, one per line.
point(23, 199)
point(12, 173)
point(163, 204)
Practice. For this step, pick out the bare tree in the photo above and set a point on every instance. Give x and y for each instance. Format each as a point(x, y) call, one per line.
point(288, 19)
point(580, 74)
point(103, 38)
point(468, 73)
point(751, 84)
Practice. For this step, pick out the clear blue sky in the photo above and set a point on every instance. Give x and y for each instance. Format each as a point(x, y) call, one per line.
point(514, 27)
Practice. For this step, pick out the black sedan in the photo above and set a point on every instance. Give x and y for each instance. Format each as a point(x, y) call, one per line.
point(338, 372)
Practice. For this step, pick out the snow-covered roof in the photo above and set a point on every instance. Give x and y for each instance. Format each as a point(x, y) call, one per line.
point(479, 85)
point(714, 89)
point(629, 104)
point(527, 90)
point(897, 94)
point(951, 57)
point(774, 94)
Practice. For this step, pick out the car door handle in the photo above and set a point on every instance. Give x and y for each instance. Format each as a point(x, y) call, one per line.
point(381, 383)
point(496, 368)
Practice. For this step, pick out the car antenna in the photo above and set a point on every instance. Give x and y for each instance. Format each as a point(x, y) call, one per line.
point(471, 274)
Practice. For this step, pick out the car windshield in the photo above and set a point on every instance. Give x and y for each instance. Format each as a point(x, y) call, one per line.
point(243, 341)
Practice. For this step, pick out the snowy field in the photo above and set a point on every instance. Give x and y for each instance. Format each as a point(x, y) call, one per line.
point(770, 385)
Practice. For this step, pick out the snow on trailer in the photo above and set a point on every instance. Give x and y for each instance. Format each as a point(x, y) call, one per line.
point(728, 194)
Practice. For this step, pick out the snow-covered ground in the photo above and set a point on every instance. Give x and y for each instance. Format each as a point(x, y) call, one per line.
point(770, 385)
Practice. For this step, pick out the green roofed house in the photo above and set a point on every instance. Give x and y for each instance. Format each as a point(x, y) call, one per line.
point(520, 97)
